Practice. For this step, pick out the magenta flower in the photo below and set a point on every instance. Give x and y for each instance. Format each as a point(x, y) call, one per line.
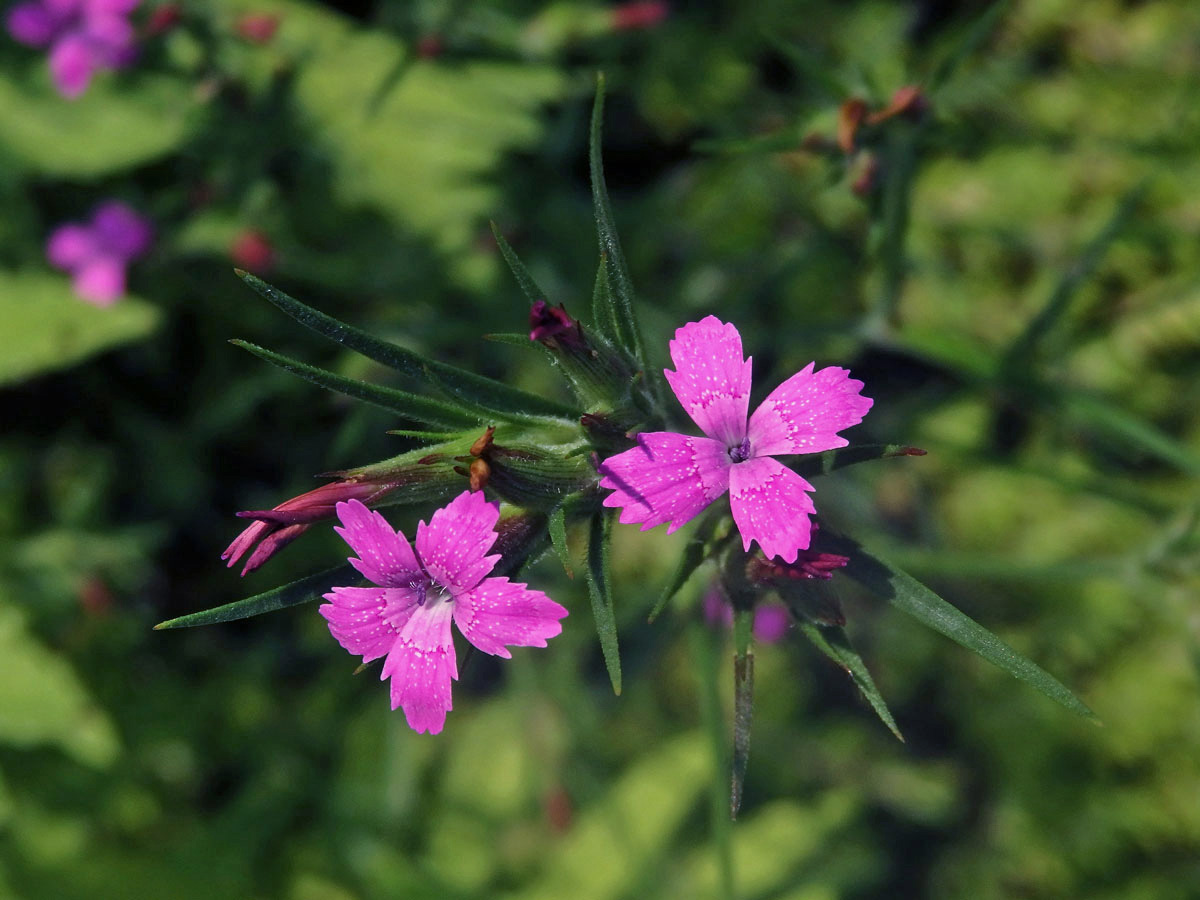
point(672, 477)
point(83, 36)
point(418, 591)
point(97, 253)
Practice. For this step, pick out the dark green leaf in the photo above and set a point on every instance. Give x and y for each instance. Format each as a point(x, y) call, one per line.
point(466, 387)
point(835, 644)
point(909, 595)
point(604, 314)
point(628, 334)
point(1126, 427)
point(410, 406)
point(696, 551)
point(529, 287)
point(599, 588)
point(813, 464)
point(303, 591)
point(972, 38)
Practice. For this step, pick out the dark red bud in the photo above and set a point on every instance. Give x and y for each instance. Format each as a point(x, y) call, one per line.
point(548, 322)
point(640, 14)
point(257, 28)
point(252, 251)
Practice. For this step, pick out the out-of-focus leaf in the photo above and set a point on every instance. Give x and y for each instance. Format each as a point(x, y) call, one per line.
point(46, 327)
point(424, 151)
point(706, 644)
point(484, 394)
point(743, 705)
point(619, 843)
point(305, 590)
point(600, 590)
point(116, 126)
point(1127, 427)
point(973, 36)
point(617, 281)
point(43, 702)
point(906, 593)
point(702, 546)
point(410, 406)
point(835, 643)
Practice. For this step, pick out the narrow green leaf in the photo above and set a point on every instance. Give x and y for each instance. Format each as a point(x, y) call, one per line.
point(1126, 427)
point(909, 595)
point(303, 591)
point(529, 287)
point(628, 334)
point(465, 387)
point(695, 552)
point(599, 588)
point(558, 538)
point(813, 464)
point(410, 406)
point(972, 38)
point(1031, 340)
point(835, 644)
point(706, 651)
point(743, 705)
point(604, 314)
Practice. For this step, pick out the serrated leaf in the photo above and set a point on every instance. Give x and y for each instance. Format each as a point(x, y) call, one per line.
point(46, 327)
point(909, 595)
point(305, 590)
point(626, 331)
point(835, 643)
point(600, 591)
point(410, 406)
point(469, 389)
point(558, 538)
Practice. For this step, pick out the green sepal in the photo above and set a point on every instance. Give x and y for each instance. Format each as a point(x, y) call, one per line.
point(810, 465)
point(437, 413)
point(558, 538)
point(909, 595)
point(600, 591)
point(625, 332)
point(835, 643)
point(467, 388)
point(303, 591)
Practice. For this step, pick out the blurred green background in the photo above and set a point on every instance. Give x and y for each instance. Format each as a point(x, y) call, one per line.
point(1011, 265)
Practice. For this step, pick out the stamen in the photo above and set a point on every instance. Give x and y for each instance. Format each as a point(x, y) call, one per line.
point(740, 453)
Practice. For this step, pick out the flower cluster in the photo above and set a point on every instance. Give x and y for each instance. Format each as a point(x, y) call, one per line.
point(97, 252)
point(82, 36)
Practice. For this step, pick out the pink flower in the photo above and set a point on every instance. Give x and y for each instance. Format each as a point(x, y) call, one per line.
point(672, 477)
point(97, 253)
point(418, 591)
point(83, 36)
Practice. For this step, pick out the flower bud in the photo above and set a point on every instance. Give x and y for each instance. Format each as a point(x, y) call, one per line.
point(600, 375)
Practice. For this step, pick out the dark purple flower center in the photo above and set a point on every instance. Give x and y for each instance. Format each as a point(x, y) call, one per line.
point(741, 452)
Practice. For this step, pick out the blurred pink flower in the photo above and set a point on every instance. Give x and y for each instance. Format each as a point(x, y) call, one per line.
point(82, 36)
point(672, 477)
point(771, 620)
point(639, 14)
point(419, 590)
point(97, 253)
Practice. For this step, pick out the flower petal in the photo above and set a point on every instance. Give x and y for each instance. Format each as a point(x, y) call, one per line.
point(806, 412)
point(453, 546)
point(70, 246)
point(498, 612)
point(367, 621)
point(100, 281)
point(421, 665)
point(667, 477)
point(72, 65)
point(711, 379)
point(32, 24)
point(384, 555)
point(770, 505)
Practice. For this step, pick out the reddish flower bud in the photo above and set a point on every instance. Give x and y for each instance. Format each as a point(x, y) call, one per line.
point(163, 19)
point(908, 101)
point(549, 324)
point(639, 14)
point(252, 251)
point(850, 116)
point(257, 28)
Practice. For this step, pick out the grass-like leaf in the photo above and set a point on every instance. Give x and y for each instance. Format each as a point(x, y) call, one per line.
point(743, 705)
point(558, 538)
point(973, 37)
point(906, 593)
point(465, 387)
point(695, 552)
point(437, 413)
point(835, 643)
point(303, 591)
point(812, 464)
point(627, 333)
point(533, 293)
point(600, 591)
